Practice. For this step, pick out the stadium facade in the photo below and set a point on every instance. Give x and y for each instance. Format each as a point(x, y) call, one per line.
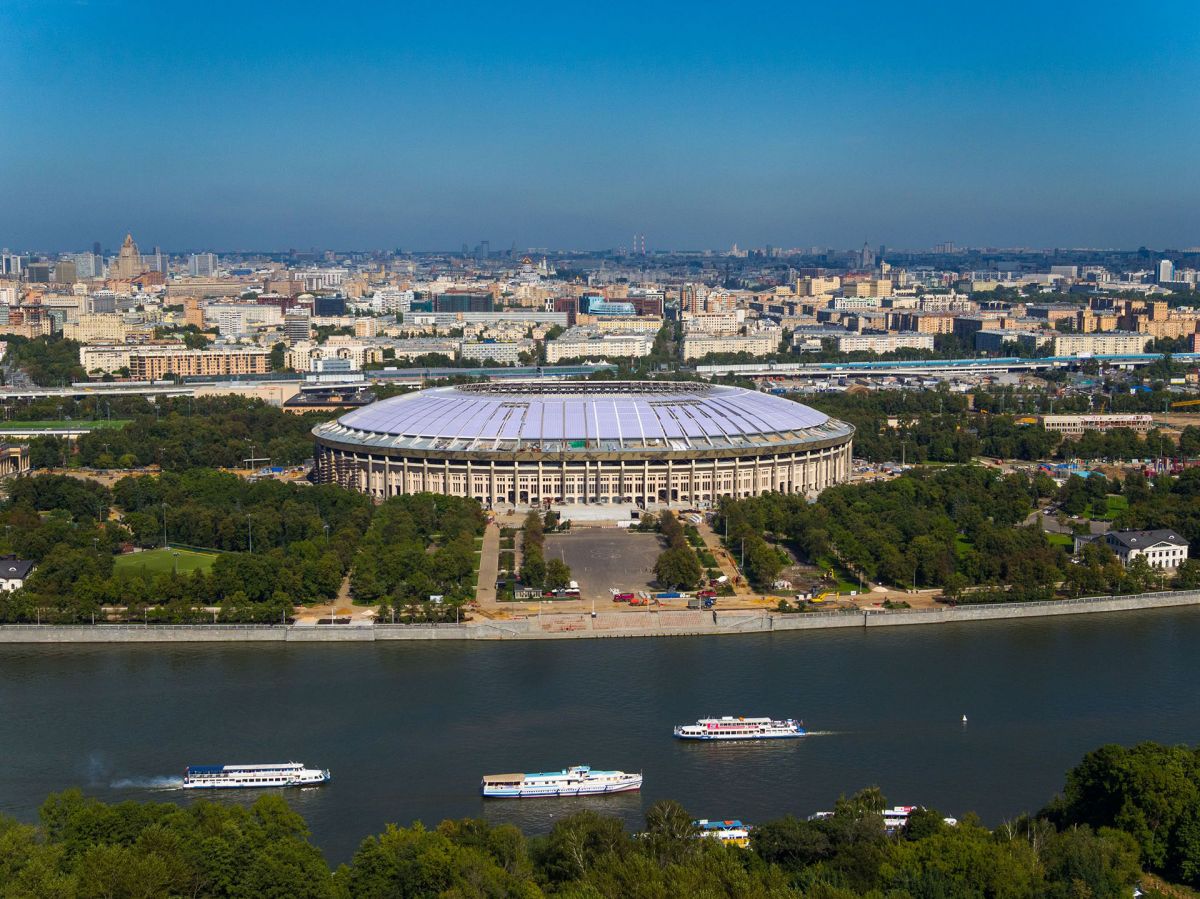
point(585, 442)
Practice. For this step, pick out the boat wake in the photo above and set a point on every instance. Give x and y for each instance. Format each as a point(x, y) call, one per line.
point(148, 783)
point(822, 733)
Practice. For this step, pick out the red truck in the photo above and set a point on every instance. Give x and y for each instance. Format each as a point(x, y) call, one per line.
point(623, 597)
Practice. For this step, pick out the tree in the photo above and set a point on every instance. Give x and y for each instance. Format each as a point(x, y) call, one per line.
point(558, 574)
point(677, 567)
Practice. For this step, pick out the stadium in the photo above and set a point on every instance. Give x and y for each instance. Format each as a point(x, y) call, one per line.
point(584, 442)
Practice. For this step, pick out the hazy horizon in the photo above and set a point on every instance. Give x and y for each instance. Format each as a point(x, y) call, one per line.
point(271, 126)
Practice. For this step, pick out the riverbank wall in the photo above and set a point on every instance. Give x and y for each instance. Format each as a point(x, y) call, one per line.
point(557, 626)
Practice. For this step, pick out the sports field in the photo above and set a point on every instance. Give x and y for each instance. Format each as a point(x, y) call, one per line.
point(158, 561)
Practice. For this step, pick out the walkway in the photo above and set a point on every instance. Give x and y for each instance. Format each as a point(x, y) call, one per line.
point(726, 562)
point(489, 566)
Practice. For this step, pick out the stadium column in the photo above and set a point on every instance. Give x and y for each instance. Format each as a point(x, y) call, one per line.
point(492, 482)
point(539, 480)
point(692, 482)
point(470, 488)
point(404, 474)
point(670, 478)
point(446, 478)
point(424, 474)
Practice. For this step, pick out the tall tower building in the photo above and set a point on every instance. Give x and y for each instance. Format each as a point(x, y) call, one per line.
point(129, 260)
point(202, 265)
point(1166, 271)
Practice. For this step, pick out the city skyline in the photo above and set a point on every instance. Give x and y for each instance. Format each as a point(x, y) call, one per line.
point(275, 127)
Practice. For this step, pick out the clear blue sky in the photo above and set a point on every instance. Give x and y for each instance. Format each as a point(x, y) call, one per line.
point(424, 125)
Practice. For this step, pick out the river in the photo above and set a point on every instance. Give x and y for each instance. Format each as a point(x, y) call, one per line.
point(408, 728)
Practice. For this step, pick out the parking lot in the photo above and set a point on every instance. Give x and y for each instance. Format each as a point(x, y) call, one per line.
point(603, 559)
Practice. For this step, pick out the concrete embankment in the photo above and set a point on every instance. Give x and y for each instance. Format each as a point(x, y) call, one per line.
point(583, 626)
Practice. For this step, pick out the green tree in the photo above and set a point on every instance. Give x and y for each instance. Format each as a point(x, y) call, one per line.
point(558, 574)
point(677, 567)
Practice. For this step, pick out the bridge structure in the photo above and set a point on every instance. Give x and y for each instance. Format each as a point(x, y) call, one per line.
point(932, 367)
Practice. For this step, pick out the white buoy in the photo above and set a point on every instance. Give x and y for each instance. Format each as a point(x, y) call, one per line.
point(964, 719)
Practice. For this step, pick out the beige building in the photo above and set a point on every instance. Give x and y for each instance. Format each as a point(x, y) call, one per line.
point(153, 363)
point(104, 359)
point(1102, 344)
point(815, 287)
point(884, 343)
point(128, 264)
point(96, 328)
point(758, 343)
point(1075, 425)
point(590, 343)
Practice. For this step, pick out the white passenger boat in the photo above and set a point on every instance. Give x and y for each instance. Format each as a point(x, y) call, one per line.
point(578, 781)
point(731, 728)
point(225, 777)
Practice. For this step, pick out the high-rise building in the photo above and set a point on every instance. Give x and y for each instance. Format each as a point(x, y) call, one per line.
point(297, 325)
point(96, 251)
point(866, 257)
point(129, 261)
point(202, 265)
point(65, 272)
point(1166, 271)
point(87, 265)
point(11, 264)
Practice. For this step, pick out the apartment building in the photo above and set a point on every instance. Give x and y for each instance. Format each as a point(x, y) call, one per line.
point(591, 343)
point(92, 328)
point(884, 343)
point(756, 343)
point(507, 352)
point(1099, 344)
point(153, 363)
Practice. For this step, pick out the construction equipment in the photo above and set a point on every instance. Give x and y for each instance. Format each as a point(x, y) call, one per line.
point(1182, 403)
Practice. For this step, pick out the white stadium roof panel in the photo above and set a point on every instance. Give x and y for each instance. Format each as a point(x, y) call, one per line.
point(580, 415)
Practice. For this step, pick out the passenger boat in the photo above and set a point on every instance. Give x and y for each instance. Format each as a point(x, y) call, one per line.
point(577, 781)
point(732, 832)
point(730, 728)
point(225, 777)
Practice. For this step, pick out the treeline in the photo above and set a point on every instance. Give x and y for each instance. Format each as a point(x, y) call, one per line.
point(536, 570)
point(937, 426)
point(304, 539)
point(957, 525)
point(419, 546)
point(1123, 812)
point(48, 361)
point(208, 432)
point(961, 529)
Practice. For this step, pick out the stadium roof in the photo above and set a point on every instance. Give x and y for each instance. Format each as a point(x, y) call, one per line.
point(610, 416)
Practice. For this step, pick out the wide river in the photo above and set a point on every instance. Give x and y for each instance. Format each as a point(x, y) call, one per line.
point(408, 728)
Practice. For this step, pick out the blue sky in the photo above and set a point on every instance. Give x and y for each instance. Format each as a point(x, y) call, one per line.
point(273, 125)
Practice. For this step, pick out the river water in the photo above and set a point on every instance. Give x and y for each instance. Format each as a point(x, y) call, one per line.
point(408, 728)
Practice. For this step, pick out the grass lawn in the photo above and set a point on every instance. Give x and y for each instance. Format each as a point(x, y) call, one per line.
point(98, 425)
point(961, 545)
point(1060, 540)
point(159, 561)
point(1112, 507)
